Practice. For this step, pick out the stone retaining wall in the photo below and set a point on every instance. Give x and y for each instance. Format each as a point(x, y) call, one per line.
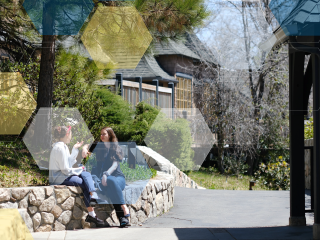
point(160, 163)
point(57, 208)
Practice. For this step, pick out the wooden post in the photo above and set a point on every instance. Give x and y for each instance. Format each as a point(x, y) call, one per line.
point(316, 142)
point(296, 118)
point(156, 83)
point(139, 80)
point(131, 157)
point(120, 82)
point(171, 85)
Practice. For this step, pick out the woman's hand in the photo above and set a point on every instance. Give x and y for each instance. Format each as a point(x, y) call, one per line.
point(104, 180)
point(85, 150)
point(77, 145)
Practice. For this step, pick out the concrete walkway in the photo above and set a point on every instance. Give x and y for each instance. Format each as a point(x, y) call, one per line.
point(209, 214)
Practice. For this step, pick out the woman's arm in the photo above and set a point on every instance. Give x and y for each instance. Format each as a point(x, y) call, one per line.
point(87, 149)
point(62, 160)
point(112, 168)
point(73, 157)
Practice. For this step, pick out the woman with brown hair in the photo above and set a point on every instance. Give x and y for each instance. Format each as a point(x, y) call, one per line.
point(109, 155)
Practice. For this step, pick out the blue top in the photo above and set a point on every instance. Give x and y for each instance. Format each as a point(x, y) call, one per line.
point(105, 157)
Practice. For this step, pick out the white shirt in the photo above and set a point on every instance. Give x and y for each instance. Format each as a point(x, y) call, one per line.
point(61, 162)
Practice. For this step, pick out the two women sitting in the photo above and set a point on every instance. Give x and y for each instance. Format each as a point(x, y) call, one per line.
point(108, 155)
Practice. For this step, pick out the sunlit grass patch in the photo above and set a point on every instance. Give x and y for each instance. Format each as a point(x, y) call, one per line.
point(215, 180)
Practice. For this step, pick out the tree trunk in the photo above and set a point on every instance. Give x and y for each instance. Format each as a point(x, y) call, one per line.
point(220, 147)
point(45, 86)
point(42, 134)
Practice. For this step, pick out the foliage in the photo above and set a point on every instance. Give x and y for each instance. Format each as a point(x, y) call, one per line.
point(113, 112)
point(128, 124)
point(274, 175)
point(308, 129)
point(144, 117)
point(29, 71)
point(171, 18)
point(17, 32)
point(139, 173)
point(17, 167)
point(172, 139)
point(234, 165)
point(74, 86)
point(211, 178)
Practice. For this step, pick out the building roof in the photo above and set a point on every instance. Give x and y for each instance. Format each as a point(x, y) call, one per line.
point(305, 11)
point(148, 69)
point(194, 43)
point(190, 47)
point(174, 48)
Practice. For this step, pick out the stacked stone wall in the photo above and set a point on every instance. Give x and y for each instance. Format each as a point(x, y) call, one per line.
point(58, 208)
point(160, 163)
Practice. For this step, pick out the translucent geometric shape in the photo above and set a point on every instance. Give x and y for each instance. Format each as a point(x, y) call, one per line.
point(185, 140)
point(39, 138)
point(132, 164)
point(296, 17)
point(58, 17)
point(16, 103)
point(12, 225)
point(116, 35)
point(238, 45)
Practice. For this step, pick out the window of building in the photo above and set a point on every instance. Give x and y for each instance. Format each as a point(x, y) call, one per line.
point(183, 93)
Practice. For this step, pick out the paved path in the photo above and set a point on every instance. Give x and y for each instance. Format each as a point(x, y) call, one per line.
point(209, 214)
point(223, 208)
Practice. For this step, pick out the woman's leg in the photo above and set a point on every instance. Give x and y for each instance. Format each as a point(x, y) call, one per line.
point(77, 181)
point(116, 186)
point(91, 217)
point(122, 183)
point(114, 189)
point(86, 176)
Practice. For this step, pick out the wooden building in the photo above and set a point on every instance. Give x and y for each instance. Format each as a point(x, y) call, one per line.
point(171, 70)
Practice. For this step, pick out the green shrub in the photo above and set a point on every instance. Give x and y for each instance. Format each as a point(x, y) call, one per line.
point(275, 176)
point(172, 139)
point(139, 173)
point(234, 166)
point(145, 115)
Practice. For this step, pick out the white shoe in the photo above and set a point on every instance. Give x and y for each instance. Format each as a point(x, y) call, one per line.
point(95, 195)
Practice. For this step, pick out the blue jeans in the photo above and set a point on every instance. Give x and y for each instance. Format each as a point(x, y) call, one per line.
point(81, 182)
point(114, 188)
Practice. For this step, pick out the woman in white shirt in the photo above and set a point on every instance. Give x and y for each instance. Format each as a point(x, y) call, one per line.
point(61, 171)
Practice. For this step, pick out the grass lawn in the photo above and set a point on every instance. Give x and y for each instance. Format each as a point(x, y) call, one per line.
point(17, 167)
point(215, 180)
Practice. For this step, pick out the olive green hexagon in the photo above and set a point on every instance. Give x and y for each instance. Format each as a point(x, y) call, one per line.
point(16, 103)
point(116, 35)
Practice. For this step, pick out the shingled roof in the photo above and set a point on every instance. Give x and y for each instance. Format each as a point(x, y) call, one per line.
point(306, 11)
point(148, 69)
point(190, 47)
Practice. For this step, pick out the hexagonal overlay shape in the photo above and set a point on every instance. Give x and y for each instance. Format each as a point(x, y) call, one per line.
point(39, 138)
point(13, 224)
point(236, 48)
point(16, 103)
point(132, 164)
point(184, 139)
point(58, 17)
point(116, 35)
point(296, 17)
